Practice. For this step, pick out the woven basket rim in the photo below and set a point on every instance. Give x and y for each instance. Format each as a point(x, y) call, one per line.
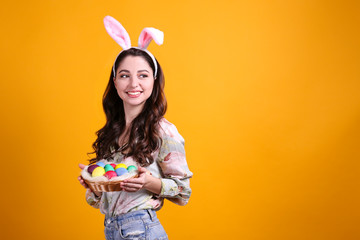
point(109, 181)
point(106, 186)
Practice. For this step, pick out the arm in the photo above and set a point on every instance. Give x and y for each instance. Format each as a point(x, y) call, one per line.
point(92, 198)
point(175, 184)
point(145, 180)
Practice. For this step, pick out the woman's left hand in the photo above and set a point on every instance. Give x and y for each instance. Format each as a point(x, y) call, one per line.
point(135, 184)
point(144, 180)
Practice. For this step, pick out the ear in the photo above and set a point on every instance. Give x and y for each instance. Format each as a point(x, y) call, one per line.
point(148, 34)
point(117, 32)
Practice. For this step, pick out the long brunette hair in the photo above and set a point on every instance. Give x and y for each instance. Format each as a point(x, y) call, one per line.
point(144, 136)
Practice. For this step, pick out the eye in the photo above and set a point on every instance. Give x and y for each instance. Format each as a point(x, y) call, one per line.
point(143, 75)
point(124, 76)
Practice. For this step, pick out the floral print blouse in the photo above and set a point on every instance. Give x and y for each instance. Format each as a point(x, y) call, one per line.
point(169, 165)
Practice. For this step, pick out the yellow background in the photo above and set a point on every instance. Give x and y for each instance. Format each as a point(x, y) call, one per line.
point(265, 93)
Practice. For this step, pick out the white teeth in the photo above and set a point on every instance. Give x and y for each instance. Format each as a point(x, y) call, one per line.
point(133, 93)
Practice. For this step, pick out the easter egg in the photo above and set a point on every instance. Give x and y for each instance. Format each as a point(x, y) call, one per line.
point(99, 171)
point(131, 168)
point(120, 171)
point(101, 164)
point(108, 167)
point(91, 168)
point(110, 174)
point(113, 165)
point(120, 165)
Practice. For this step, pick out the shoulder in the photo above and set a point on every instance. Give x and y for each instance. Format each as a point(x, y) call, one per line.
point(169, 130)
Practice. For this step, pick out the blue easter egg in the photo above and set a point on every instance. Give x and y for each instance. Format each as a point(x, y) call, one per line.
point(121, 171)
point(101, 164)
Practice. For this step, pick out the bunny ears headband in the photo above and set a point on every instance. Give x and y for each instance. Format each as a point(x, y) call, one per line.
point(119, 34)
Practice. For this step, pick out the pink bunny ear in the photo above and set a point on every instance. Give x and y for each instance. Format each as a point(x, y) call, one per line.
point(147, 34)
point(117, 32)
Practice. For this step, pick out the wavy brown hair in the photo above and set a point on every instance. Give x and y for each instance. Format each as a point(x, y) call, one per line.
point(144, 136)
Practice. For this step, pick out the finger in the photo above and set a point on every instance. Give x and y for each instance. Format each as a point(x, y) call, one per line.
point(138, 180)
point(82, 166)
point(80, 179)
point(82, 182)
point(132, 185)
point(142, 169)
point(128, 189)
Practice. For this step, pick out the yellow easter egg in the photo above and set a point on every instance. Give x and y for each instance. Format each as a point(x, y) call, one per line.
point(120, 165)
point(99, 171)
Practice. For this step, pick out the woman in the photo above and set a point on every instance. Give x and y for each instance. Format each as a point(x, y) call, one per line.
point(136, 133)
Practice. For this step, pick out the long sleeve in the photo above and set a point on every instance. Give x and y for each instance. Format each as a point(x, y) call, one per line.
point(92, 199)
point(175, 186)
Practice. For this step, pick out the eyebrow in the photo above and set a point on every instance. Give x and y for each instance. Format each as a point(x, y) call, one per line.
point(127, 71)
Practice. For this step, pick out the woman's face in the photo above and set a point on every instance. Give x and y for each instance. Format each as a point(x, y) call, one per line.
point(134, 81)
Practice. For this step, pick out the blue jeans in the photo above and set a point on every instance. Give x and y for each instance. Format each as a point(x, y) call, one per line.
point(142, 224)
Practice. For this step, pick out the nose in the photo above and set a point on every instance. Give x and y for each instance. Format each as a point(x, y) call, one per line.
point(134, 82)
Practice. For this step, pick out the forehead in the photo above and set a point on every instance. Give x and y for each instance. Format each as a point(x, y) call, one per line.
point(134, 62)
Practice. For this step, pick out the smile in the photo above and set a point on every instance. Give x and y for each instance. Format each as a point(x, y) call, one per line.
point(134, 94)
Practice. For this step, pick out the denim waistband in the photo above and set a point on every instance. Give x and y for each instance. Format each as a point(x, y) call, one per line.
point(131, 216)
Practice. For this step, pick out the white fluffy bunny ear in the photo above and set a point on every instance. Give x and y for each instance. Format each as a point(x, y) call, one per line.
point(117, 32)
point(148, 34)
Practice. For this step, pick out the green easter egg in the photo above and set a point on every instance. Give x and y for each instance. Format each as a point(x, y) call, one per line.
point(108, 167)
point(131, 168)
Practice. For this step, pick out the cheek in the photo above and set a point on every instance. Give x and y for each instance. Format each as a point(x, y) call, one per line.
point(150, 86)
point(119, 89)
point(118, 86)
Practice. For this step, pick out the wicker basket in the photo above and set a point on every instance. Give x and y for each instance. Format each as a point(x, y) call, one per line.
point(102, 184)
point(106, 186)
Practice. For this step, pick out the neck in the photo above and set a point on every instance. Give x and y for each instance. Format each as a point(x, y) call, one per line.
point(131, 113)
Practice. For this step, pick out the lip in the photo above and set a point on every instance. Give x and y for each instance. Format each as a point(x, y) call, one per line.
point(133, 94)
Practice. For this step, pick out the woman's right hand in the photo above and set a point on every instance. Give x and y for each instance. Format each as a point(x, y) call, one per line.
point(81, 180)
point(83, 183)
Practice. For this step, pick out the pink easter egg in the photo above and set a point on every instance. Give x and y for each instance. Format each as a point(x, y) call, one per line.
point(110, 174)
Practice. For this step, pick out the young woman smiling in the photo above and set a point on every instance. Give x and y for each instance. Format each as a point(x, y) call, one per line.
point(136, 133)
